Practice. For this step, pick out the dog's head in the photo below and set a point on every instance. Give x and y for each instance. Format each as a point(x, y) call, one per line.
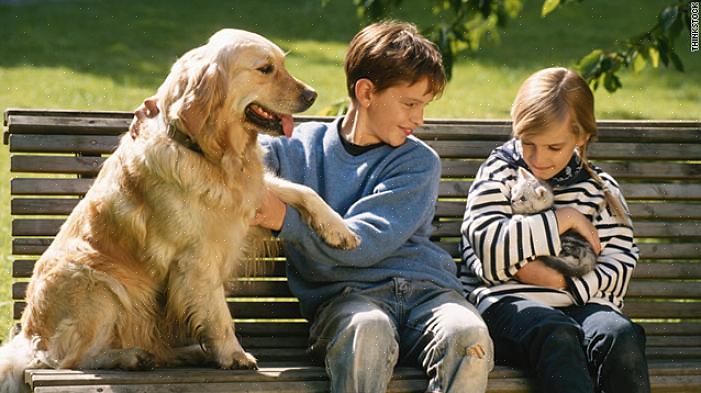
point(236, 83)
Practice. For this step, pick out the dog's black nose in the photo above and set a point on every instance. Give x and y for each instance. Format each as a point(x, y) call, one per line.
point(309, 96)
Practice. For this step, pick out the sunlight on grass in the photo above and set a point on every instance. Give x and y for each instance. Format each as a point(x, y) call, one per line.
point(61, 87)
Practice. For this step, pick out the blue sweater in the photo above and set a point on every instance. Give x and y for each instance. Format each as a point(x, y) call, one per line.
point(386, 195)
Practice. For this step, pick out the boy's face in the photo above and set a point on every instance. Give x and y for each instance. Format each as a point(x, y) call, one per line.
point(394, 113)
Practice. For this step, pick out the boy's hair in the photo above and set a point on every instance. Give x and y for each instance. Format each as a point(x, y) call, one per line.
point(391, 52)
point(551, 96)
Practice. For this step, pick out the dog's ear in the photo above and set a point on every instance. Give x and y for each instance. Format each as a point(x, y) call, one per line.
point(192, 91)
point(203, 95)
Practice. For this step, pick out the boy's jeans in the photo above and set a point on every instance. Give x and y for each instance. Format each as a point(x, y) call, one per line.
point(361, 334)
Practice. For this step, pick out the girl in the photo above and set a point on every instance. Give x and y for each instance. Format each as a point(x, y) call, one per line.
point(568, 332)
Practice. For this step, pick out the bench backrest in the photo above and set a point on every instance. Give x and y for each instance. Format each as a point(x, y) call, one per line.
point(55, 155)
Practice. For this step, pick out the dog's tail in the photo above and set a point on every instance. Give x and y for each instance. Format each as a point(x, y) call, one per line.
point(15, 356)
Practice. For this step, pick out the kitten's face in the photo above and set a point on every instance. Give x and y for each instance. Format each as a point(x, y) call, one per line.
point(530, 195)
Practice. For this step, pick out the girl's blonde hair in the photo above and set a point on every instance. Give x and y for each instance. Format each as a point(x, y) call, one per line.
point(551, 96)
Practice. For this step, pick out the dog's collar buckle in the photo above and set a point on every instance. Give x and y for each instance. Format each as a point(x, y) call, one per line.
point(182, 138)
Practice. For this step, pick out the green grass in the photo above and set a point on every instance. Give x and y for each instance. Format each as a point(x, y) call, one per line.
point(103, 55)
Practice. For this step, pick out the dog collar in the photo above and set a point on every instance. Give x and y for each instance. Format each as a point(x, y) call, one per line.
point(182, 138)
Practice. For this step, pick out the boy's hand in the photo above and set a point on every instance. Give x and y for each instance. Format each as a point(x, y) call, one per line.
point(569, 218)
point(147, 109)
point(271, 212)
point(536, 272)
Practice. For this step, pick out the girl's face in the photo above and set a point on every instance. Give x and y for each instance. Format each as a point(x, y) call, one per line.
point(548, 151)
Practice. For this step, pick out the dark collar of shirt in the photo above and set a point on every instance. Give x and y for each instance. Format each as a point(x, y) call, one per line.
point(353, 149)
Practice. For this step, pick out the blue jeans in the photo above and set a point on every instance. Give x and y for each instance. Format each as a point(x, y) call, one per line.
point(362, 334)
point(573, 349)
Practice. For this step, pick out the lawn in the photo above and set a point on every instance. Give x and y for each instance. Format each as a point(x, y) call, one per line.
point(110, 55)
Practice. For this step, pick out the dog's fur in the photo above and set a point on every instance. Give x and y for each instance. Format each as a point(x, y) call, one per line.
point(134, 279)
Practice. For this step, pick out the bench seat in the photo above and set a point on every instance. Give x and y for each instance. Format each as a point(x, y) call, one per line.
point(56, 154)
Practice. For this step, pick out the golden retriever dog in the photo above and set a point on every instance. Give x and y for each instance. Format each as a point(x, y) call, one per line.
point(135, 277)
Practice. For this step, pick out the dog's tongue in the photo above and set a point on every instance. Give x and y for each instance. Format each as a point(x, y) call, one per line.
point(287, 125)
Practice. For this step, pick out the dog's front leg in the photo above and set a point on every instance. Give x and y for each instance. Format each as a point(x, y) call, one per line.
point(194, 301)
point(326, 222)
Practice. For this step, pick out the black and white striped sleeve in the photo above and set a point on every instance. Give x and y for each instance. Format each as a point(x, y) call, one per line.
point(495, 242)
point(614, 268)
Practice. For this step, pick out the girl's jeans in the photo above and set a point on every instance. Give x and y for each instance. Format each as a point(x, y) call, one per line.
point(573, 349)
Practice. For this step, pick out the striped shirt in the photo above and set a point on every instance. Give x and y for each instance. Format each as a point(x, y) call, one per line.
point(496, 243)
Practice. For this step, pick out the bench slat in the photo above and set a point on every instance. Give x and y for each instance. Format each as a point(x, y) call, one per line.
point(637, 308)
point(630, 170)
point(92, 144)
point(30, 186)
point(665, 376)
point(284, 309)
point(56, 164)
point(50, 227)
point(597, 151)
point(639, 210)
point(101, 144)
point(55, 121)
point(450, 168)
point(100, 124)
point(263, 268)
point(678, 229)
point(632, 191)
point(689, 250)
point(22, 268)
point(43, 206)
point(444, 209)
point(689, 271)
point(447, 189)
point(624, 132)
point(652, 329)
point(637, 289)
point(247, 289)
point(663, 289)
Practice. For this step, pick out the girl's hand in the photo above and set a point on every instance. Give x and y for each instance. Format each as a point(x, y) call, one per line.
point(536, 272)
point(569, 218)
point(271, 212)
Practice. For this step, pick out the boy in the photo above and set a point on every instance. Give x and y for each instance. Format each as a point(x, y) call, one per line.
point(396, 297)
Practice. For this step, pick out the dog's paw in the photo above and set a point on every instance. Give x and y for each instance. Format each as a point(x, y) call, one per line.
point(330, 227)
point(136, 359)
point(241, 360)
point(338, 235)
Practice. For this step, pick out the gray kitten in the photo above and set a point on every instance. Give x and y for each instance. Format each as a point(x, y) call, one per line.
point(530, 195)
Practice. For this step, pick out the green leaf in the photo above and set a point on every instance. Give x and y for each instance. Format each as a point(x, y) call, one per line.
point(675, 30)
point(639, 62)
point(549, 6)
point(677, 61)
point(607, 64)
point(611, 82)
point(668, 16)
point(664, 51)
point(589, 65)
point(654, 56)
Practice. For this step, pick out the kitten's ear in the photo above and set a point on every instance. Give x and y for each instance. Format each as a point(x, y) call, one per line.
point(522, 172)
point(541, 192)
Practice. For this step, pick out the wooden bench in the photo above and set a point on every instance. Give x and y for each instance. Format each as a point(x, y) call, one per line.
point(55, 155)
